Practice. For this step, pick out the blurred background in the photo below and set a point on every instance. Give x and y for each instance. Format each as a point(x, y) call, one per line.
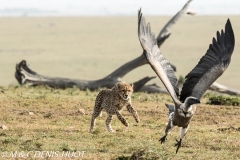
point(113, 8)
point(90, 39)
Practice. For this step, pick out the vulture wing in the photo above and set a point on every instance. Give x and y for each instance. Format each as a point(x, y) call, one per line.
point(154, 57)
point(211, 65)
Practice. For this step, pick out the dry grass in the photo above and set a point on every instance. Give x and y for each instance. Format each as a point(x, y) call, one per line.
point(45, 119)
point(92, 47)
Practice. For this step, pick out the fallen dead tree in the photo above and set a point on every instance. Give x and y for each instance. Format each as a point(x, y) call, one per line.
point(25, 76)
point(224, 89)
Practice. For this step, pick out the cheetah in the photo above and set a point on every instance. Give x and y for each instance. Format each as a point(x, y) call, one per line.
point(112, 101)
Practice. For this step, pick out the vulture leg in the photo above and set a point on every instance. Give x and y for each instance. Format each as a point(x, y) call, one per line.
point(163, 139)
point(183, 132)
point(178, 144)
point(167, 131)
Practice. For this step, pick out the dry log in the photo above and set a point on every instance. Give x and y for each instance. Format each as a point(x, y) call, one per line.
point(223, 89)
point(153, 88)
point(25, 75)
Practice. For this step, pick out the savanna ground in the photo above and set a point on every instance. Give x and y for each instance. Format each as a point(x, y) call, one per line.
point(46, 119)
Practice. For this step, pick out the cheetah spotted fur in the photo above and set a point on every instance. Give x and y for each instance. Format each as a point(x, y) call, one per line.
point(112, 101)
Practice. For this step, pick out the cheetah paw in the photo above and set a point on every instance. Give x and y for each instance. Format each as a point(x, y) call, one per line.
point(111, 131)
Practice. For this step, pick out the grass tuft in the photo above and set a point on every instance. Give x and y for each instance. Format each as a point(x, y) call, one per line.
point(223, 100)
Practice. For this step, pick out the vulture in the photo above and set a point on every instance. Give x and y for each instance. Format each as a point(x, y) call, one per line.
point(209, 68)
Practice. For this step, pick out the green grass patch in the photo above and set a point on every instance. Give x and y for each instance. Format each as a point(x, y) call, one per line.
point(46, 119)
point(223, 100)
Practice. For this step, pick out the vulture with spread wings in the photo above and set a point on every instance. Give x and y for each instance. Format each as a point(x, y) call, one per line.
point(209, 68)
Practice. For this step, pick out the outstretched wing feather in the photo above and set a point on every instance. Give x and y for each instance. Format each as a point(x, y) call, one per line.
point(158, 63)
point(211, 65)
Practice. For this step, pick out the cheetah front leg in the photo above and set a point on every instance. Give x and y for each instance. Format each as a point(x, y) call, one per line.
point(133, 112)
point(108, 123)
point(121, 118)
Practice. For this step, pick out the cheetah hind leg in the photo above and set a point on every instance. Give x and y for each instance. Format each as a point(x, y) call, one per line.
point(108, 124)
point(96, 113)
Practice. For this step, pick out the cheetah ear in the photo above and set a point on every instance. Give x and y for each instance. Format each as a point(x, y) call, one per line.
point(131, 84)
point(117, 85)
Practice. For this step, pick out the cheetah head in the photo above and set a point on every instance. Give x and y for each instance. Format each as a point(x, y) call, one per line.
point(125, 90)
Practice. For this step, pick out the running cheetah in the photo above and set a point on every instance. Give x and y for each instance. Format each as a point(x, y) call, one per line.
point(113, 100)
